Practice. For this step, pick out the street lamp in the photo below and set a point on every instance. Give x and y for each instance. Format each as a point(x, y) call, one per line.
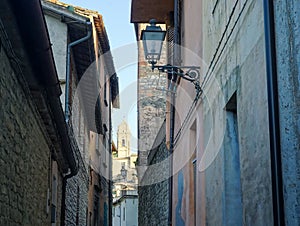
point(153, 37)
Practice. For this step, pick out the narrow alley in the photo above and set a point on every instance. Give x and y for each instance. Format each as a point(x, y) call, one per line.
point(149, 113)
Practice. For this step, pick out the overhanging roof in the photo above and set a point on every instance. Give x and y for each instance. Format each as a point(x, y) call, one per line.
point(84, 56)
point(105, 47)
point(78, 30)
point(144, 10)
point(28, 41)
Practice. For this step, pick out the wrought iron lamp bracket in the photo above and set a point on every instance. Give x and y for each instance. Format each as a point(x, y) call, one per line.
point(189, 73)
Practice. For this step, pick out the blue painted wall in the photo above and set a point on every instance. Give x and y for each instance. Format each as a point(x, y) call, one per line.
point(180, 187)
point(287, 17)
point(232, 195)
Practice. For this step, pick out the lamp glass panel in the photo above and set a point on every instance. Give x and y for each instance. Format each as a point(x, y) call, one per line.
point(153, 44)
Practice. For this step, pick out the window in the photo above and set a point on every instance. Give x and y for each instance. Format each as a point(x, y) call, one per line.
point(104, 149)
point(193, 148)
point(232, 185)
point(105, 89)
point(195, 187)
point(123, 213)
point(123, 142)
point(86, 216)
point(77, 206)
point(54, 199)
point(96, 210)
point(97, 141)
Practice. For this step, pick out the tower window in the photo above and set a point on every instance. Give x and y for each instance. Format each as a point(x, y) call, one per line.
point(123, 142)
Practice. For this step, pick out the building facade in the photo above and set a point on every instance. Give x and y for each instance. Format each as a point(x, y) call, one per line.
point(90, 85)
point(60, 171)
point(125, 183)
point(124, 173)
point(125, 209)
point(288, 64)
point(37, 147)
point(227, 143)
point(76, 194)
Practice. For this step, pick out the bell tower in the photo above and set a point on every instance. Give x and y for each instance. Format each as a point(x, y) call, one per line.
point(123, 136)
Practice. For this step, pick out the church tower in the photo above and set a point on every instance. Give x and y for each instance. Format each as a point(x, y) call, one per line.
point(123, 136)
point(124, 173)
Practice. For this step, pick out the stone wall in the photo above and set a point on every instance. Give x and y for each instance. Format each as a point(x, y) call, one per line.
point(77, 186)
point(24, 153)
point(154, 189)
point(151, 104)
point(77, 197)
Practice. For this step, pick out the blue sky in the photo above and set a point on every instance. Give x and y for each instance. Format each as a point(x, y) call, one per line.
point(116, 16)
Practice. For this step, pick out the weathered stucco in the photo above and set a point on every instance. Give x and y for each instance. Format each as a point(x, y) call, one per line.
point(230, 41)
point(58, 38)
point(287, 19)
point(241, 69)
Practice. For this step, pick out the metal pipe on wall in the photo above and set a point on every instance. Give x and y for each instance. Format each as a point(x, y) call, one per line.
point(72, 173)
point(273, 104)
point(172, 90)
point(68, 68)
point(110, 182)
point(177, 32)
point(176, 61)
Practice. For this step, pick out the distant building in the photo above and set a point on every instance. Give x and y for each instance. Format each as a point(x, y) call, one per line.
point(125, 199)
point(124, 169)
point(125, 209)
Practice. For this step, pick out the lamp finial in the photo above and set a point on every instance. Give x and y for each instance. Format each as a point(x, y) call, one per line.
point(152, 22)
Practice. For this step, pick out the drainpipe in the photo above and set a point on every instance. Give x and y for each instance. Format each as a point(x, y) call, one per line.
point(72, 173)
point(110, 161)
point(172, 122)
point(172, 102)
point(274, 123)
point(172, 90)
point(67, 114)
point(177, 32)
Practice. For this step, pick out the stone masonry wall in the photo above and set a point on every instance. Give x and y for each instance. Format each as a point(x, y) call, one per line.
point(154, 196)
point(24, 154)
point(77, 186)
point(151, 104)
point(77, 198)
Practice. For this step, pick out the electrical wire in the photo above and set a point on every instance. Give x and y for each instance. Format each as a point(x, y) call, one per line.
point(207, 76)
point(211, 66)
